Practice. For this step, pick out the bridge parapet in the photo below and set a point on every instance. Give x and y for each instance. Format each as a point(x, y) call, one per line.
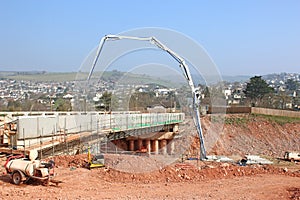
point(40, 127)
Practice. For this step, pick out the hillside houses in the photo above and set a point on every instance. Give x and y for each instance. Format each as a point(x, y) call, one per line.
point(47, 93)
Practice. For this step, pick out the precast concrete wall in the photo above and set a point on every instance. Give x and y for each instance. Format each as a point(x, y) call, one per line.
point(42, 126)
point(32, 127)
point(48, 126)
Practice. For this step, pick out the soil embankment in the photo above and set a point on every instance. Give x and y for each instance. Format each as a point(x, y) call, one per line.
point(253, 134)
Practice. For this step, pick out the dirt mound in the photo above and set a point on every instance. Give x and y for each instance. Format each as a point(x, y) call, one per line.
point(69, 160)
point(176, 173)
point(191, 171)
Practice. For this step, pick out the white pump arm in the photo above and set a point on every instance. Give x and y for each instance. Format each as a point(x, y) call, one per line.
point(183, 66)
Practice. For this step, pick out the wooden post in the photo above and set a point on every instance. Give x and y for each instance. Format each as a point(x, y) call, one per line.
point(41, 156)
point(53, 141)
point(24, 141)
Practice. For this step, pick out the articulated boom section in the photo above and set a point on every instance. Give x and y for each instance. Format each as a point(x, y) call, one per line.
point(183, 66)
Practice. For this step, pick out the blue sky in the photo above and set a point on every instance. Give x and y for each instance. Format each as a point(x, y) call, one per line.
point(242, 37)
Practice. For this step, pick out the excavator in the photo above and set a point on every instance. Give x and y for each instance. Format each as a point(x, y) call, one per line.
point(95, 161)
point(182, 64)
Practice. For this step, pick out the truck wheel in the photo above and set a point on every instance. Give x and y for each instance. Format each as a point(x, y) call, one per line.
point(17, 178)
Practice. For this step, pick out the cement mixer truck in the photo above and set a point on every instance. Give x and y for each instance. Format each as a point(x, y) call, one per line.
point(21, 168)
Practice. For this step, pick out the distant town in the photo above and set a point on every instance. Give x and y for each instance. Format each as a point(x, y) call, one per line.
point(280, 91)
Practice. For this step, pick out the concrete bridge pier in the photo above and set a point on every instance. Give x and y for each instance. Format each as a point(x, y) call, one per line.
point(131, 145)
point(148, 145)
point(139, 144)
point(155, 146)
point(163, 146)
point(170, 147)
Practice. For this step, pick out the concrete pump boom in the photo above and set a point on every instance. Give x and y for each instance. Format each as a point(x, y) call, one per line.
point(182, 65)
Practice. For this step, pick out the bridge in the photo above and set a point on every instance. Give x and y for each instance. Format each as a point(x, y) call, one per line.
point(53, 133)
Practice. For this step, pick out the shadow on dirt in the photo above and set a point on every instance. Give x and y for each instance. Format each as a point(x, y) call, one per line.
point(5, 178)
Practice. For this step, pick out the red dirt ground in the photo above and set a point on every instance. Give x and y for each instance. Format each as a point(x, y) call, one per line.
point(188, 180)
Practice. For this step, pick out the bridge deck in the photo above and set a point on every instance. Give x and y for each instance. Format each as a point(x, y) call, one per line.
point(43, 130)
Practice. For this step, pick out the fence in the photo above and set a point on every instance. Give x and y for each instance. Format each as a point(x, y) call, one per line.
point(229, 109)
point(254, 110)
point(276, 112)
